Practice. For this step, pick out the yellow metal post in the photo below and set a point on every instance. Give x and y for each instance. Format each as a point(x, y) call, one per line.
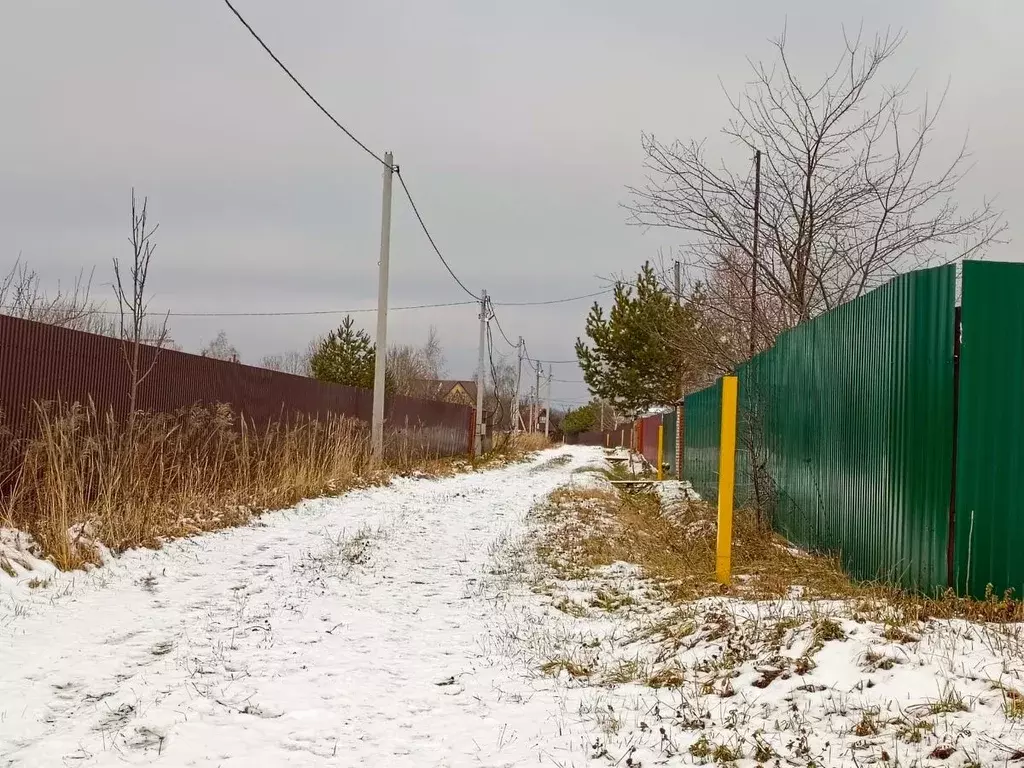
point(661, 449)
point(726, 478)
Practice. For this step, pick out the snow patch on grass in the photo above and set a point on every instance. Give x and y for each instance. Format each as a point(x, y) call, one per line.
point(657, 678)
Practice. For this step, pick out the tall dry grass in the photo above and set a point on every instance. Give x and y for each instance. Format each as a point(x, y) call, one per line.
point(85, 477)
point(130, 483)
point(520, 443)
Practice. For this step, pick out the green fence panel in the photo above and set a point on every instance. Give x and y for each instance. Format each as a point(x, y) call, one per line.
point(858, 430)
point(846, 425)
point(988, 527)
point(702, 433)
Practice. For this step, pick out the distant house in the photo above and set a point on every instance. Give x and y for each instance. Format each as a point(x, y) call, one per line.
point(458, 391)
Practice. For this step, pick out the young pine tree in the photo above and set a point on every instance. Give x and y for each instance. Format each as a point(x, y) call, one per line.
point(345, 356)
point(630, 361)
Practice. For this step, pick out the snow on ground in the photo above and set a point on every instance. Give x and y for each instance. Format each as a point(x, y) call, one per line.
point(776, 683)
point(414, 625)
point(22, 567)
point(347, 631)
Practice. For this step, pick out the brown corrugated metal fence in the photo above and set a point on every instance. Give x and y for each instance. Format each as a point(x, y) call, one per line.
point(40, 362)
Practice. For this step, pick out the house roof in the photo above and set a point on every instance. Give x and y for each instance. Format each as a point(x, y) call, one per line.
point(438, 388)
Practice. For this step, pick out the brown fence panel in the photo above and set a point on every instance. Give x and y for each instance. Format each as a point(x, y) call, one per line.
point(622, 436)
point(441, 428)
point(587, 438)
point(649, 438)
point(40, 362)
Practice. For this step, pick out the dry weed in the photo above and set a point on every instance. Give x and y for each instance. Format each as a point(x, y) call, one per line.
point(596, 527)
point(86, 478)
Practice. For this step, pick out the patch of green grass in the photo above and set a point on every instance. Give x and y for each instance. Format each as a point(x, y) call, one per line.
point(629, 671)
point(571, 608)
point(950, 702)
point(721, 754)
point(667, 677)
point(827, 630)
point(868, 724)
point(913, 732)
point(574, 669)
point(611, 600)
point(1014, 708)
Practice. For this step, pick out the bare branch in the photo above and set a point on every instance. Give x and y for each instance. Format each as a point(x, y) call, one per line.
point(846, 202)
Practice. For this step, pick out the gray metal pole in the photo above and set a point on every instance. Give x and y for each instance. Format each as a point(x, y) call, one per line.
point(679, 292)
point(377, 422)
point(679, 303)
point(481, 378)
point(753, 265)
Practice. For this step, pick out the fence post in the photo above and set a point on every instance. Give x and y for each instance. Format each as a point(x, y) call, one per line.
point(726, 479)
point(471, 433)
point(679, 441)
point(661, 449)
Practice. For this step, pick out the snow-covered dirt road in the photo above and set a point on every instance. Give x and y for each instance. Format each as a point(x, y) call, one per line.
point(349, 631)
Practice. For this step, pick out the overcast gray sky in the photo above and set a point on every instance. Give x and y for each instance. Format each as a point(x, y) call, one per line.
point(516, 125)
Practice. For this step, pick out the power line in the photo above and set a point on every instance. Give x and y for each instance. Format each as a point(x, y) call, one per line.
point(303, 88)
point(552, 301)
point(313, 312)
point(426, 231)
point(307, 313)
point(497, 322)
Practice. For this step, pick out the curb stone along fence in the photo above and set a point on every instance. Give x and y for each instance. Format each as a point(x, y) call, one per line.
point(890, 431)
point(40, 363)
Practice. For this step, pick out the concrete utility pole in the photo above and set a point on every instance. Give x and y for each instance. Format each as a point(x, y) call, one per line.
point(547, 416)
point(481, 378)
point(377, 421)
point(519, 378)
point(536, 399)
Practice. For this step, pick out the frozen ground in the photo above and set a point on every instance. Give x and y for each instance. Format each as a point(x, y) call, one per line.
point(348, 631)
point(413, 625)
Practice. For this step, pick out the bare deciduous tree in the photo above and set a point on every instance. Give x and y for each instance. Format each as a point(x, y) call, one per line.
point(22, 295)
point(130, 289)
point(221, 349)
point(408, 366)
point(294, 362)
point(847, 199)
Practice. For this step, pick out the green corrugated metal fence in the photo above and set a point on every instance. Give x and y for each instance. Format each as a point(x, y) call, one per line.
point(989, 524)
point(702, 416)
point(847, 422)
